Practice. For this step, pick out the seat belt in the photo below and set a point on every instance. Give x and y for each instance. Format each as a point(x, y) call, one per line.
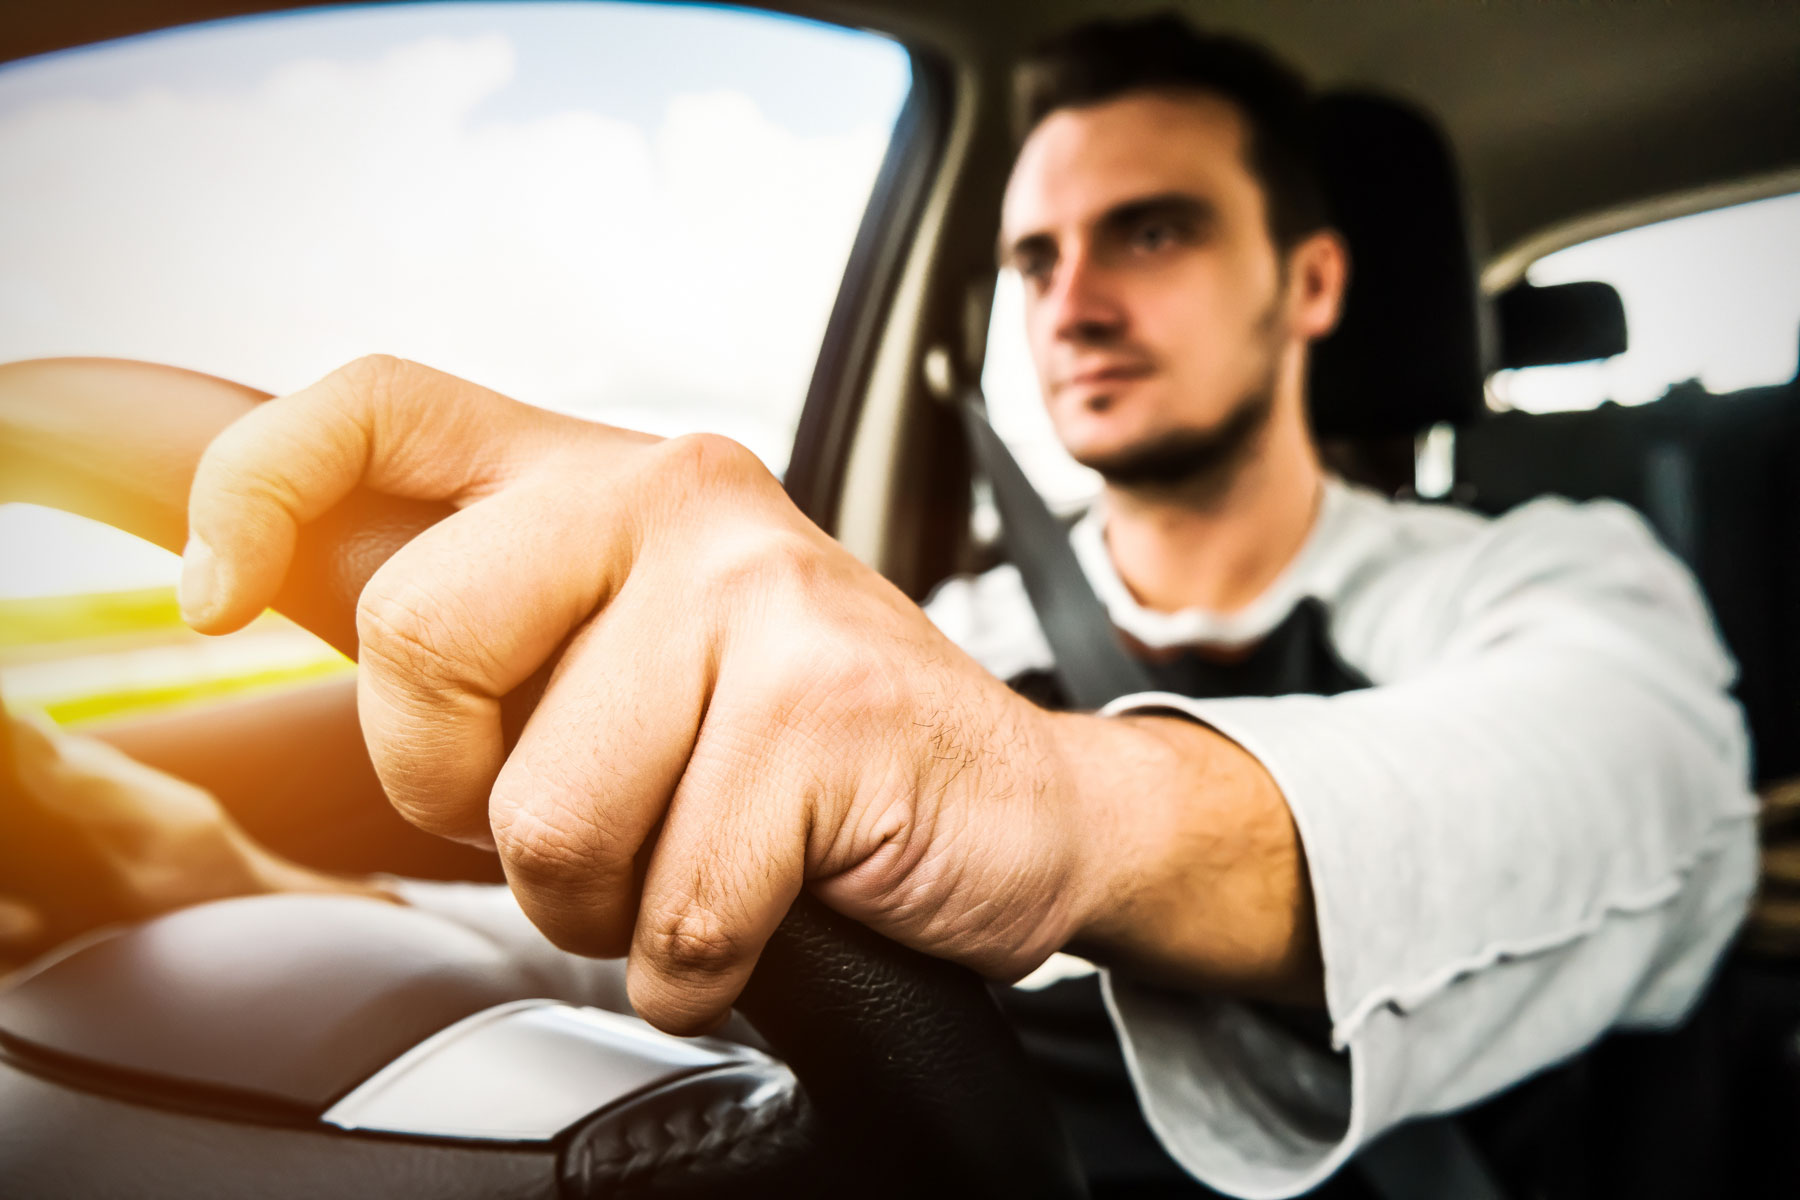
point(1421, 1160)
point(1087, 658)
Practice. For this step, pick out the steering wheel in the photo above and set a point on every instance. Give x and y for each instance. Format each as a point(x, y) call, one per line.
point(914, 1081)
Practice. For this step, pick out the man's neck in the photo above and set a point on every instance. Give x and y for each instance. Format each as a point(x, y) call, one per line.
point(1220, 552)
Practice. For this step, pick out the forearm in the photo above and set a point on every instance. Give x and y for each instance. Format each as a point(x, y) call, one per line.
point(1192, 871)
point(119, 441)
point(75, 433)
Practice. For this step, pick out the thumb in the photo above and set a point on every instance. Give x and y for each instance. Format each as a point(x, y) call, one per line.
point(393, 425)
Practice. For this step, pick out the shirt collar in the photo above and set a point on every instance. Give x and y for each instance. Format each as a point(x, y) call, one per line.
point(1244, 626)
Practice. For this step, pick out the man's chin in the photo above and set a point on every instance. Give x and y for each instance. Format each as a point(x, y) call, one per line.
point(1176, 459)
point(1109, 429)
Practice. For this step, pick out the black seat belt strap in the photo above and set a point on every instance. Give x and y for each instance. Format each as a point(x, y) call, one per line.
point(1089, 661)
point(1421, 1160)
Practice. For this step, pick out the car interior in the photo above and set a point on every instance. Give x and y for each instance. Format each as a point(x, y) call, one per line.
point(1460, 143)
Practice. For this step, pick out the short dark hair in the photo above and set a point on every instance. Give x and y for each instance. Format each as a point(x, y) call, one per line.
point(1103, 60)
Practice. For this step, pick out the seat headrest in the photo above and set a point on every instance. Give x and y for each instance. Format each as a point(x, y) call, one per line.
point(1409, 350)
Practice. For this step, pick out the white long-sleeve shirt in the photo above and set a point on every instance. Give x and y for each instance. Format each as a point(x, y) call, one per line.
point(1534, 827)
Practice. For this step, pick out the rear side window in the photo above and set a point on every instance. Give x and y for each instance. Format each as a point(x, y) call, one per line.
point(1713, 297)
point(634, 213)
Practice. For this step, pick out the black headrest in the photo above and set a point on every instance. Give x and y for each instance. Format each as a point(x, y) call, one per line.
point(1409, 350)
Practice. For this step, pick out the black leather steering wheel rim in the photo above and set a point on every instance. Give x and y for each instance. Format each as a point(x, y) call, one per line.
point(914, 1075)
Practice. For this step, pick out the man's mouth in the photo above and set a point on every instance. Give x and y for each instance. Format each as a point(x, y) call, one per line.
point(1095, 387)
point(1092, 376)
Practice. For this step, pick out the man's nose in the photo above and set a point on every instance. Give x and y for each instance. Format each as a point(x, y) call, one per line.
point(1084, 305)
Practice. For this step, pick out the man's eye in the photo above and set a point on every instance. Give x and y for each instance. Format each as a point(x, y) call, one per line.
point(1156, 235)
point(1035, 268)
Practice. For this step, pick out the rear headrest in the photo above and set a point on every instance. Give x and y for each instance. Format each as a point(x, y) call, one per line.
point(1409, 350)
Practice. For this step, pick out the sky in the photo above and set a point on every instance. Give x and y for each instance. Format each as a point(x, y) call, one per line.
point(631, 212)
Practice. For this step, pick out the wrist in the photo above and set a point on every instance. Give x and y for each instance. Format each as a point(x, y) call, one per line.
point(1016, 845)
point(1189, 868)
point(1115, 824)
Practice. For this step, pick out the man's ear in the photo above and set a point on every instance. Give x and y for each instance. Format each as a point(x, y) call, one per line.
point(1319, 268)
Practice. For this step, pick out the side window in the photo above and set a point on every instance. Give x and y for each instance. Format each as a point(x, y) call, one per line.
point(1016, 408)
point(634, 213)
point(1714, 297)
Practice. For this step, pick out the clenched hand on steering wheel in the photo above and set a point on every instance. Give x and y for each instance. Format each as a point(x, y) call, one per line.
point(734, 709)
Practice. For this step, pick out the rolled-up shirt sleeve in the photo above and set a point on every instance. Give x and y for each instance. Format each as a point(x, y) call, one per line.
point(1536, 827)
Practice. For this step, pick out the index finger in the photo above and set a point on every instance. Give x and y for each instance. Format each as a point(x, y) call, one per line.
point(393, 425)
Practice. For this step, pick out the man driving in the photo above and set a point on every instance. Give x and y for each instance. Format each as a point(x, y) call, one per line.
point(1472, 792)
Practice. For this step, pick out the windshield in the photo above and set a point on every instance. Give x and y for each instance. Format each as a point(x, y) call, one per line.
point(635, 213)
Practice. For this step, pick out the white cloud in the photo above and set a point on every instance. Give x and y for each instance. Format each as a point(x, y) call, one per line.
point(679, 276)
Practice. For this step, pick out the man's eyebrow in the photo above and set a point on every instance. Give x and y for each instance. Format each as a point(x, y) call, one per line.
point(1177, 206)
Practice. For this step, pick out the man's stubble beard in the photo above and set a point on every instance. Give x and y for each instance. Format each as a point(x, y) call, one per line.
point(1199, 465)
point(1196, 463)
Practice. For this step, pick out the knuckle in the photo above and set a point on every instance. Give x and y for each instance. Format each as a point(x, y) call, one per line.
point(399, 627)
point(371, 376)
point(369, 388)
point(232, 461)
point(696, 941)
point(532, 852)
point(573, 889)
point(773, 565)
point(541, 834)
point(700, 468)
point(708, 458)
point(242, 474)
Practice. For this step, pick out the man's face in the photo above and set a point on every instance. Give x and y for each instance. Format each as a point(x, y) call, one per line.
point(1154, 295)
